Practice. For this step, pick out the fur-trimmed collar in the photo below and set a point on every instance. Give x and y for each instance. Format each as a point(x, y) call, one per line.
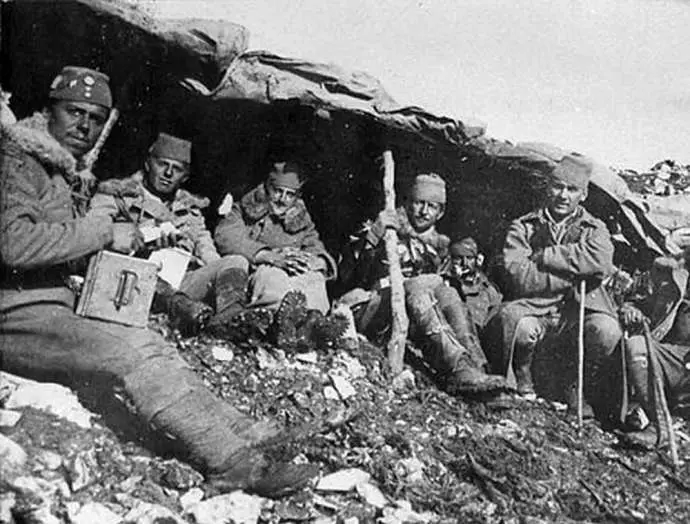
point(133, 186)
point(255, 207)
point(31, 136)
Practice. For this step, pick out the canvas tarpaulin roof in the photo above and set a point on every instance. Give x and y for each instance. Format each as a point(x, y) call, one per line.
point(239, 104)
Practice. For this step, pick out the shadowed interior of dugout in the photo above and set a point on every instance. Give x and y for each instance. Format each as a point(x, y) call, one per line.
point(244, 109)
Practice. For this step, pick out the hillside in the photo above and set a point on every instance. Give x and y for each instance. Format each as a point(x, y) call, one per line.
point(410, 455)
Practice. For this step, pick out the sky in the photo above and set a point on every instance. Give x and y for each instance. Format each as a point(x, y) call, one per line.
point(607, 78)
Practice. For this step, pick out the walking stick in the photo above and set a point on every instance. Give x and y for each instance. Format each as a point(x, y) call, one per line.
point(89, 159)
point(660, 398)
point(399, 320)
point(581, 356)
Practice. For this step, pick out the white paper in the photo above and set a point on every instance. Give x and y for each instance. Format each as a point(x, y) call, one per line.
point(173, 264)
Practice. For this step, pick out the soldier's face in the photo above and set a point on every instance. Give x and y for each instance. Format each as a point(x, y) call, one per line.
point(423, 214)
point(563, 198)
point(280, 198)
point(465, 265)
point(165, 175)
point(76, 125)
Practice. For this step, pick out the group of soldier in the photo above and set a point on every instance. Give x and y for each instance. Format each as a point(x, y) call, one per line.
point(265, 252)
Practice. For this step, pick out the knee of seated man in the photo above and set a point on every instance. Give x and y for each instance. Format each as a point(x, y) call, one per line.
point(529, 332)
point(602, 333)
point(235, 262)
point(448, 296)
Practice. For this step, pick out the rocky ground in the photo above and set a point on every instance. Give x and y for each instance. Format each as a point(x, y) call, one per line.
point(388, 452)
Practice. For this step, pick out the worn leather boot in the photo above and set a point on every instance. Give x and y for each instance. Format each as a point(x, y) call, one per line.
point(249, 469)
point(636, 358)
point(231, 299)
point(467, 378)
point(291, 314)
point(188, 315)
point(444, 352)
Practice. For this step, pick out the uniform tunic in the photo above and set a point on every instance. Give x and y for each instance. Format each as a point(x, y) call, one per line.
point(128, 200)
point(41, 238)
point(544, 262)
point(432, 305)
point(250, 228)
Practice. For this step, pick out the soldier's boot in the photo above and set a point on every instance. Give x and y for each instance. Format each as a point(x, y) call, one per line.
point(231, 299)
point(319, 331)
point(637, 359)
point(249, 469)
point(349, 340)
point(291, 314)
point(444, 352)
point(186, 314)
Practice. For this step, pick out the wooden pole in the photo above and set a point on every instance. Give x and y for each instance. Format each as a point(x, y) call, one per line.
point(399, 321)
point(660, 398)
point(92, 155)
point(581, 356)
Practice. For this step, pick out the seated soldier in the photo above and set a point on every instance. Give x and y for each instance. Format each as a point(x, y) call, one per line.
point(438, 317)
point(153, 196)
point(272, 228)
point(546, 254)
point(463, 273)
point(44, 235)
point(662, 309)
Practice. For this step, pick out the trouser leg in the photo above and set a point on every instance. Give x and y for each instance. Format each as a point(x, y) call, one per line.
point(268, 285)
point(49, 342)
point(442, 350)
point(529, 332)
point(602, 334)
point(203, 283)
point(457, 315)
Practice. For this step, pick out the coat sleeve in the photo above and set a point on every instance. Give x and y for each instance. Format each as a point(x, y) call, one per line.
point(204, 248)
point(592, 256)
point(527, 277)
point(103, 205)
point(27, 241)
point(232, 236)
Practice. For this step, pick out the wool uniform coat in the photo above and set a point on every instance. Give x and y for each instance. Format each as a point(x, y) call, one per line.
point(543, 272)
point(128, 200)
point(250, 227)
point(42, 236)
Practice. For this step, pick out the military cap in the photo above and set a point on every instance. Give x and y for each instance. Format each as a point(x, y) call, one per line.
point(171, 147)
point(81, 84)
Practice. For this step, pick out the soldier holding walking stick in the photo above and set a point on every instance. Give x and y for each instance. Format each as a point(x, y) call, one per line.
point(546, 255)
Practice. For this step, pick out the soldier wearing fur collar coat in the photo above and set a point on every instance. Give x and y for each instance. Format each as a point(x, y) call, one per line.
point(273, 229)
point(43, 234)
point(153, 197)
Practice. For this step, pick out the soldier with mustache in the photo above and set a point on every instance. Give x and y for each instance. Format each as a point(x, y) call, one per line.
point(439, 319)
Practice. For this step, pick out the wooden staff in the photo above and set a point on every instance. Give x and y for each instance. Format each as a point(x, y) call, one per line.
point(399, 321)
point(581, 356)
point(660, 398)
point(90, 158)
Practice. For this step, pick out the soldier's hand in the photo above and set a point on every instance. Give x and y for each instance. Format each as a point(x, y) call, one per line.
point(388, 219)
point(630, 316)
point(126, 238)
